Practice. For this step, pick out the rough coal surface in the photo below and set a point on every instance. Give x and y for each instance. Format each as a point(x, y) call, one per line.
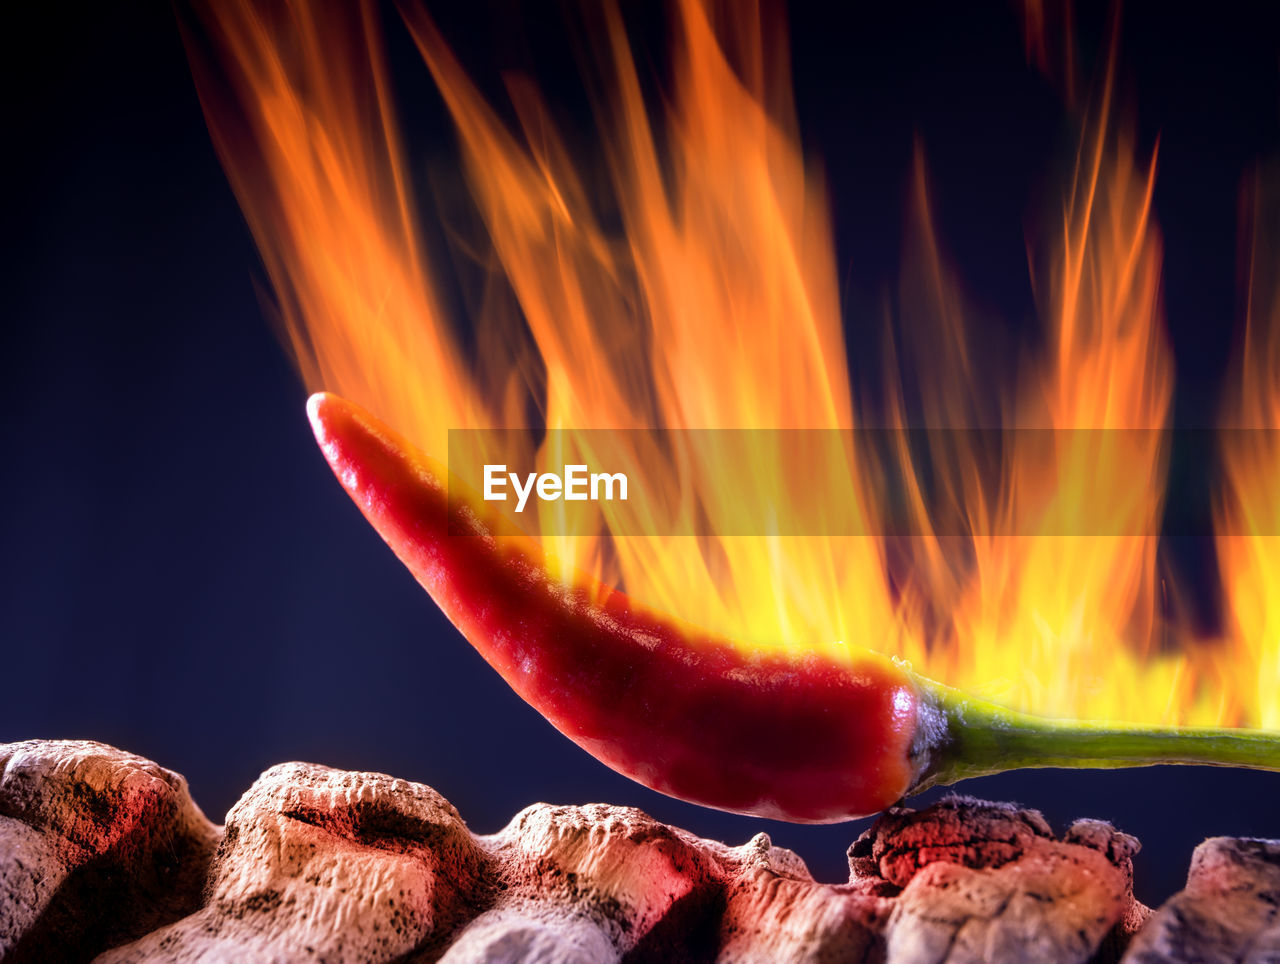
point(103, 856)
point(1229, 910)
point(97, 847)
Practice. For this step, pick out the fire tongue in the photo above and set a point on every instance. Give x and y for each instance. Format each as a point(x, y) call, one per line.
point(791, 737)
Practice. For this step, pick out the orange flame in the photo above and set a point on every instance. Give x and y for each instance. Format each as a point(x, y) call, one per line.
point(693, 284)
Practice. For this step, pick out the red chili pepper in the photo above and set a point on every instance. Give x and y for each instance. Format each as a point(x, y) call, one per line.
point(791, 737)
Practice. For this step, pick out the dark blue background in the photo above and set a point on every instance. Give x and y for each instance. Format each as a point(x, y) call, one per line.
point(182, 577)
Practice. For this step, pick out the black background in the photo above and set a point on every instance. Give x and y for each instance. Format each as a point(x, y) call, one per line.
point(183, 578)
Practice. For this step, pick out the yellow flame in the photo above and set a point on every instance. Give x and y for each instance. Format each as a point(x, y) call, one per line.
point(688, 281)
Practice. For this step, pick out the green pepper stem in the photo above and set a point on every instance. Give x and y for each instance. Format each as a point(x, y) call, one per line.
point(977, 738)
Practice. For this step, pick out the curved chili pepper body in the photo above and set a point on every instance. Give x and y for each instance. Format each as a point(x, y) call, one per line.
point(791, 737)
point(788, 736)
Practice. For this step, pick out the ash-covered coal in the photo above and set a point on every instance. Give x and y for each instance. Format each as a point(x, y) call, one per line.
point(103, 856)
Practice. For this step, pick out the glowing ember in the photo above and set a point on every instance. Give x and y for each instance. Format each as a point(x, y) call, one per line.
point(699, 290)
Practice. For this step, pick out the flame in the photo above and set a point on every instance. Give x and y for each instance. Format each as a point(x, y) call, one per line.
point(1062, 623)
point(686, 279)
point(1249, 513)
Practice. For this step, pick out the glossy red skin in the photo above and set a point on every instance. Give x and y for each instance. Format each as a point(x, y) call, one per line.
point(791, 738)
